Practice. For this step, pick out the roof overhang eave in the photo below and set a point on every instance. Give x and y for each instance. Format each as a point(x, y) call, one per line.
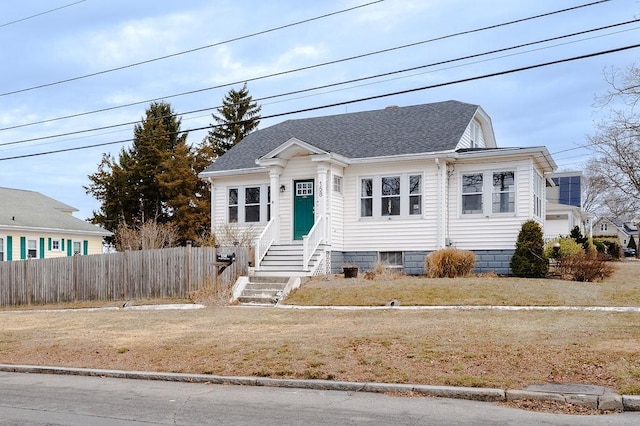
point(97, 232)
point(232, 172)
point(403, 157)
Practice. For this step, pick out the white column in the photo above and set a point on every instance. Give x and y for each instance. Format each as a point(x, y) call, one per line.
point(321, 197)
point(274, 181)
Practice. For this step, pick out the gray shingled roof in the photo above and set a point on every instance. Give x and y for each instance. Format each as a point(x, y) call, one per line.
point(391, 131)
point(30, 209)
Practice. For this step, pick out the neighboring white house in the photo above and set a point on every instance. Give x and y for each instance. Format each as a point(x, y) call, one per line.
point(388, 185)
point(33, 225)
point(564, 205)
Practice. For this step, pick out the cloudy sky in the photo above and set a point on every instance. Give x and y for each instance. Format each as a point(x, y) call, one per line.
point(88, 69)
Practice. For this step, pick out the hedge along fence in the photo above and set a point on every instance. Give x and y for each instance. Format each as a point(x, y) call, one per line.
point(162, 273)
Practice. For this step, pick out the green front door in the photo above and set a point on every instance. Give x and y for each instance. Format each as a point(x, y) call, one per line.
point(302, 208)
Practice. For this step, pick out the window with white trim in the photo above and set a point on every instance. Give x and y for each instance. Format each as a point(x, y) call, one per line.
point(366, 197)
point(391, 196)
point(502, 192)
point(1, 249)
point(391, 258)
point(390, 205)
point(603, 226)
point(248, 204)
point(538, 194)
point(472, 186)
point(77, 248)
point(32, 249)
point(55, 245)
point(474, 135)
point(337, 184)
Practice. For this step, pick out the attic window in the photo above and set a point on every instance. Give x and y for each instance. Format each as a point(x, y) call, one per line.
point(475, 135)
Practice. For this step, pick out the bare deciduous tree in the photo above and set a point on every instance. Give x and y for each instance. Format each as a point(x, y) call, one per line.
point(615, 169)
point(150, 235)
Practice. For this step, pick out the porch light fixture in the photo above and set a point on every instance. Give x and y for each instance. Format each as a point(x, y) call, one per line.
point(282, 188)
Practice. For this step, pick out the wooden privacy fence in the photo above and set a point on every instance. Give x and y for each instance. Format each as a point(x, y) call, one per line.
point(163, 273)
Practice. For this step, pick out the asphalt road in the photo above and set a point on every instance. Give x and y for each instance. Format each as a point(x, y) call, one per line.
point(42, 399)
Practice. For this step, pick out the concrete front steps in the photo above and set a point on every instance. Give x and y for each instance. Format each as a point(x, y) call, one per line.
point(263, 291)
point(285, 260)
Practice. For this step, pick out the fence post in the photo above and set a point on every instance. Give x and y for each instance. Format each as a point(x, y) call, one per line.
point(187, 268)
point(75, 277)
point(29, 283)
point(125, 274)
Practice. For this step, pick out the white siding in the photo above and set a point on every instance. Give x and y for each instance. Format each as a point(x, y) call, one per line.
point(465, 141)
point(490, 231)
point(336, 211)
point(241, 232)
point(390, 234)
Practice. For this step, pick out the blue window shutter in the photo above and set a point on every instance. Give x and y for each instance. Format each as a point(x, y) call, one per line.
point(9, 248)
point(69, 248)
point(85, 247)
point(41, 247)
point(49, 243)
point(23, 248)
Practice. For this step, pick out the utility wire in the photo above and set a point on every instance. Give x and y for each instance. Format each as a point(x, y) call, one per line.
point(184, 52)
point(338, 83)
point(40, 14)
point(297, 69)
point(401, 92)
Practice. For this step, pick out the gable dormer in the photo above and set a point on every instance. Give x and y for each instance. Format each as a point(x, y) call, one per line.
point(479, 132)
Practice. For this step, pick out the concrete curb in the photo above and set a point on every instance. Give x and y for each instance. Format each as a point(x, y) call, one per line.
point(608, 401)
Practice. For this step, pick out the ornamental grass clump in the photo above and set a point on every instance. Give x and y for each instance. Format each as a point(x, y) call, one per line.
point(450, 263)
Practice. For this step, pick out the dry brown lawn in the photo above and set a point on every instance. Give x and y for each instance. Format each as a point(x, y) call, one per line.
point(462, 347)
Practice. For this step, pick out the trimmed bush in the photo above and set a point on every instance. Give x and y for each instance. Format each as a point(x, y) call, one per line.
point(568, 247)
point(585, 267)
point(528, 260)
point(449, 263)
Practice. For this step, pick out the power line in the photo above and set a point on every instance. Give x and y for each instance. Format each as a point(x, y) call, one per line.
point(40, 14)
point(278, 74)
point(184, 52)
point(342, 82)
point(401, 92)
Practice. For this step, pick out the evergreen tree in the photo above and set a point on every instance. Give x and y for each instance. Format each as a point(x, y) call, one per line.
point(153, 181)
point(529, 260)
point(236, 118)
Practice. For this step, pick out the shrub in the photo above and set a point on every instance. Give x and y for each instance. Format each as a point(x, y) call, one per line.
point(529, 260)
point(585, 267)
point(600, 247)
point(568, 247)
point(450, 263)
point(612, 248)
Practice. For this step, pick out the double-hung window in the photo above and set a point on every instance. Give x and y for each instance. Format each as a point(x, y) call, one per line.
point(252, 204)
point(248, 204)
point(472, 188)
point(391, 196)
point(1, 249)
point(500, 196)
point(32, 249)
point(504, 191)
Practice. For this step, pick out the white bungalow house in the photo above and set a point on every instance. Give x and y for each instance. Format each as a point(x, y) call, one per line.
point(33, 225)
point(388, 185)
